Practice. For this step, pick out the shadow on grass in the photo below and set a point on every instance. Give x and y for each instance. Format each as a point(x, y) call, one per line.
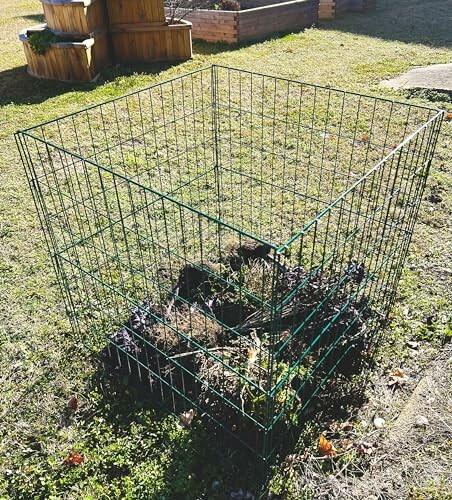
point(202, 462)
point(34, 18)
point(18, 87)
point(425, 22)
point(198, 463)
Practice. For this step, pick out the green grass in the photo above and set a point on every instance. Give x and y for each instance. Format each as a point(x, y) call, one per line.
point(132, 450)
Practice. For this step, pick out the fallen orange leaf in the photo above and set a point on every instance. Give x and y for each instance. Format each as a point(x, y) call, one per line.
point(326, 448)
point(72, 404)
point(75, 458)
point(397, 378)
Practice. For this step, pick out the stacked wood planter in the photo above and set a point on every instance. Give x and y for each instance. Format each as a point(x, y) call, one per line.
point(78, 60)
point(84, 50)
point(141, 33)
point(138, 29)
point(75, 16)
point(256, 20)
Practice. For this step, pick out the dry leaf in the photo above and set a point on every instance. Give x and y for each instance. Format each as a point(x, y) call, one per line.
point(346, 444)
point(341, 426)
point(75, 458)
point(364, 448)
point(326, 448)
point(421, 421)
point(186, 418)
point(254, 349)
point(365, 138)
point(72, 404)
point(397, 378)
point(290, 460)
point(252, 355)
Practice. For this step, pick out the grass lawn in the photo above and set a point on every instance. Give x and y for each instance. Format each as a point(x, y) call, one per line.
point(131, 449)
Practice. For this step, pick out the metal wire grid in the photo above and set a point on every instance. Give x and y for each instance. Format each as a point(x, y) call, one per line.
point(132, 191)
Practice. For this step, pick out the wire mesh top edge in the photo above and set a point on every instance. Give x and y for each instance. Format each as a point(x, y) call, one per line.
point(231, 68)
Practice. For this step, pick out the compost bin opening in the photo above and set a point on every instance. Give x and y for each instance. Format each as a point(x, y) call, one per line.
point(237, 237)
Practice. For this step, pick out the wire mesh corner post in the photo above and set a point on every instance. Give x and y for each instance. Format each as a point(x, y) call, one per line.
point(236, 237)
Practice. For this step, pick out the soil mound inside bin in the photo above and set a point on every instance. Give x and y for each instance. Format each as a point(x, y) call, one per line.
point(210, 340)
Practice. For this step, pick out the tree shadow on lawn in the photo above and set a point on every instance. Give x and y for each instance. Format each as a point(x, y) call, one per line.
point(18, 87)
point(425, 22)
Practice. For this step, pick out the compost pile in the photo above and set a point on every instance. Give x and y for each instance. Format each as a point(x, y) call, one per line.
point(209, 335)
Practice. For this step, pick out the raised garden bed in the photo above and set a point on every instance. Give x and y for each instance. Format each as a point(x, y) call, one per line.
point(75, 16)
point(71, 59)
point(148, 42)
point(135, 12)
point(141, 33)
point(256, 20)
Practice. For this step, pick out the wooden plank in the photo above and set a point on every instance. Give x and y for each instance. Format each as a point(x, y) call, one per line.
point(330, 9)
point(217, 29)
point(76, 63)
point(135, 11)
point(172, 42)
point(212, 14)
point(216, 35)
point(76, 18)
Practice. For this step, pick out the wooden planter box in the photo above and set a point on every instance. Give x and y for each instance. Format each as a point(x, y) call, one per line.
point(149, 42)
point(75, 16)
point(257, 20)
point(79, 60)
point(135, 12)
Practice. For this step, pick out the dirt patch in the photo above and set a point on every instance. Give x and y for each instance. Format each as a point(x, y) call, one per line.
point(212, 336)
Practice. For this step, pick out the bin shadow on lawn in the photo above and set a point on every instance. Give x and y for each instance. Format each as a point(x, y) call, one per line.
point(203, 462)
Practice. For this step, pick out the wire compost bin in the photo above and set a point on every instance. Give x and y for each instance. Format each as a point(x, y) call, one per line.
point(237, 237)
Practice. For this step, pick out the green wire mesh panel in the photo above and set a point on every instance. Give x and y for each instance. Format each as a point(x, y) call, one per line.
point(236, 237)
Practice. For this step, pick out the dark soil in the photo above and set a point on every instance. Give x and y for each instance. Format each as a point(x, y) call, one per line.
point(210, 336)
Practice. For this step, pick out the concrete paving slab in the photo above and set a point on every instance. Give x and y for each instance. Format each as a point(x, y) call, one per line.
point(436, 77)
